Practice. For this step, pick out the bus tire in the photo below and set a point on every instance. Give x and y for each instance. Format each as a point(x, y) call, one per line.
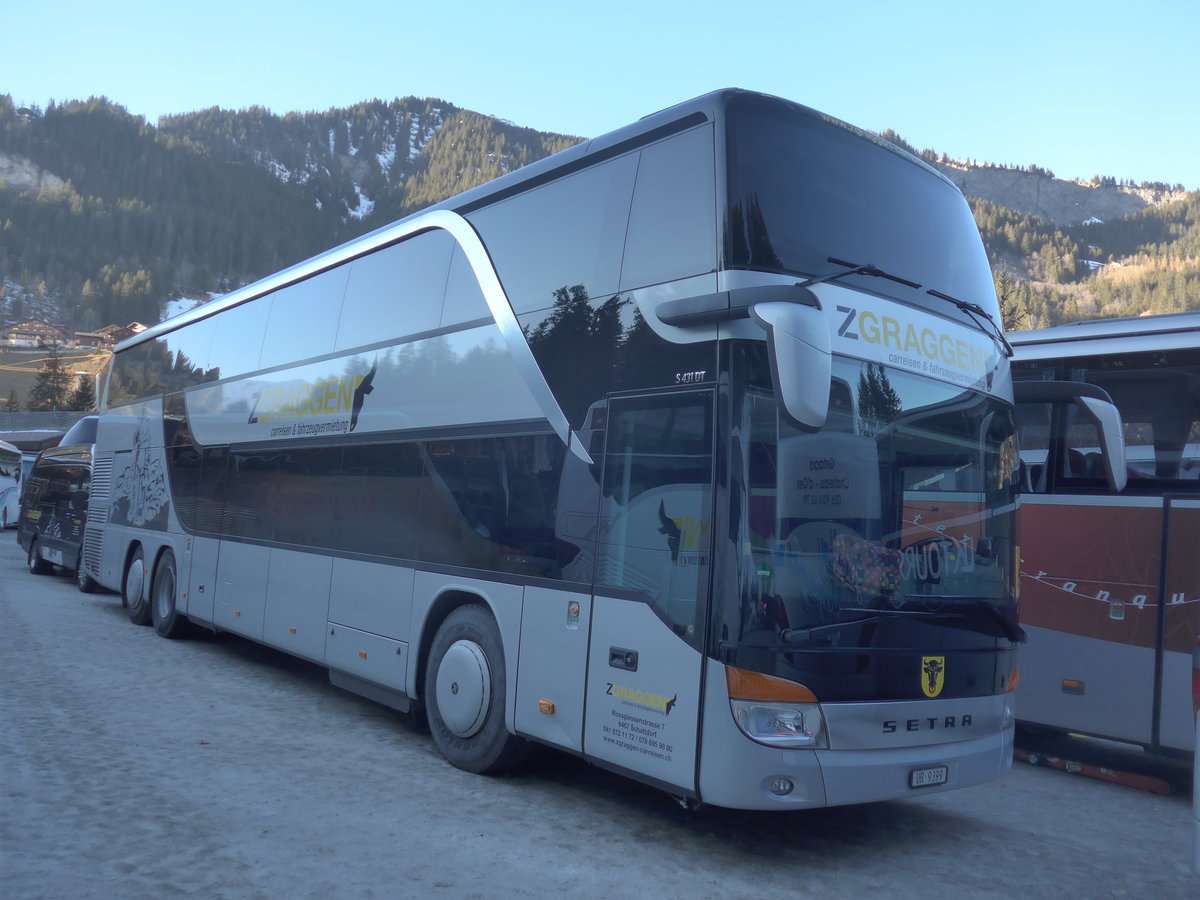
point(85, 582)
point(465, 694)
point(37, 565)
point(133, 589)
point(169, 622)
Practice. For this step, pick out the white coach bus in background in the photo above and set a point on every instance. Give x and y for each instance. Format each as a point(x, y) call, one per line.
point(689, 450)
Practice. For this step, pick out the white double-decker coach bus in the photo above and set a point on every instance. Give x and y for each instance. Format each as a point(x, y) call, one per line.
point(689, 450)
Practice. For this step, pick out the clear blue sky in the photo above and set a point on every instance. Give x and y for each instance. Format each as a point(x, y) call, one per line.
point(1081, 88)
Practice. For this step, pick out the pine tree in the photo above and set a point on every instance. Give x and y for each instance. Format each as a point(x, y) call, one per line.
point(84, 395)
point(52, 386)
point(13, 403)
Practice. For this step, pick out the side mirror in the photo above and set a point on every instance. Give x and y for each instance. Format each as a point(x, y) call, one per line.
point(799, 348)
point(1097, 406)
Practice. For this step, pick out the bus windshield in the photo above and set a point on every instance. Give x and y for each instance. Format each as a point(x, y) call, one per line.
point(890, 528)
point(802, 191)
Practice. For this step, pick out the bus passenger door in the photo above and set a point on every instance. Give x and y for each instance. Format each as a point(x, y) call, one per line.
point(653, 560)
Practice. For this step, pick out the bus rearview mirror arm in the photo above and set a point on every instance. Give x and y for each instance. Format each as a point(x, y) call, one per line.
point(799, 347)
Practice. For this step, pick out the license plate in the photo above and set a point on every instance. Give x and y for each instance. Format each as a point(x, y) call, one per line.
point(928, 777)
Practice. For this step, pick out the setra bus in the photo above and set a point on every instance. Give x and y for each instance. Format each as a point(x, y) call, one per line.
point(1110, 582)
point(689, 450)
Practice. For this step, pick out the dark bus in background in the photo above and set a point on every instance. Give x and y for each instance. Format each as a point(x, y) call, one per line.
point(54, 502)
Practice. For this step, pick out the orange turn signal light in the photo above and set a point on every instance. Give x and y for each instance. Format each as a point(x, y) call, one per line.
point(1014, 679)
point(746, 685)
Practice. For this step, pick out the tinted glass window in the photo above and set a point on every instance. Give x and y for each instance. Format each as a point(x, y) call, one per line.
point(566, 233)
point(672, 226)
point(188, 350)
point(656, 511)
point(396, 291)
point(588, 347)
point(803, 188)
point(127, 378)
point(210, 499)
point(237, 343)
point(377, 510)
point(464, 298)
point(184, 458)
point(304, 319)
point(1158, 395)
point(489, 504)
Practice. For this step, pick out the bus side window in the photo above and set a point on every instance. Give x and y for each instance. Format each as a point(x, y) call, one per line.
point(1082, 459)
point(1033, 428)
point(1158, 394)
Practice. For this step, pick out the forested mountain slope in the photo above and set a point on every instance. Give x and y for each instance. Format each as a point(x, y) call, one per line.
point(104, 217)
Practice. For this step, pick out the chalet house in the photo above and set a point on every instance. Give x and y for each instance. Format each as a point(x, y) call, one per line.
point(118, 333)
point(93, 340)
point(33, 333)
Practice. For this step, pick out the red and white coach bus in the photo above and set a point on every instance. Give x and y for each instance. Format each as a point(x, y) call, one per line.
point(1110, 582)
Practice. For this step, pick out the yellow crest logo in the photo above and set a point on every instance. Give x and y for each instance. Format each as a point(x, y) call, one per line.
point(933, 674)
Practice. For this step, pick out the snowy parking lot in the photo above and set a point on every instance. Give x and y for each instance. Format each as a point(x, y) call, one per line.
point(132, 766)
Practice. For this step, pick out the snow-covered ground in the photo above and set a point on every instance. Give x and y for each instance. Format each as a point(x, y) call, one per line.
point(132, 766)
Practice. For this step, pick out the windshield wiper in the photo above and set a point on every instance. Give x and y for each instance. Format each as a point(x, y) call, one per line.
point(974, 310)
point(967, 607)
point(856, 269)
point(799, 635)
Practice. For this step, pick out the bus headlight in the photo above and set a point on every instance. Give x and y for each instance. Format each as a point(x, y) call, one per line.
point(780, 725)
point(775, 711)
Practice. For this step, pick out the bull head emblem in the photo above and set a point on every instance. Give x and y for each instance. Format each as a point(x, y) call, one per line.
point(933, 673)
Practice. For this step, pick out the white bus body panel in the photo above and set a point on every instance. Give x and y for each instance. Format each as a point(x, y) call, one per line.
point(298, 603)
point(372, 597)
point(242, 589)
point(642, 714)
point(504, 601)
point(738, 772)
point(367, 657)
point(554, 644)
point(201, 578)
point(1118, 685)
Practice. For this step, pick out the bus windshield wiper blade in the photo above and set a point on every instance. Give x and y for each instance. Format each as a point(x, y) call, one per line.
point(966, 607)
point(797, 635)
point(974, 310)
point(857, 269)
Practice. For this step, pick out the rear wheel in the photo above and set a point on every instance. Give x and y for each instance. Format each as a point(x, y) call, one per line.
point(133, 590)
point(37, 565)
point(465, 694)
point(83, 580)
point(169, 622)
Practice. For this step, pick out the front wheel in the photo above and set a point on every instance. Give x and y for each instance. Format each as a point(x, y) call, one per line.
point(465, 694)
point(169, 622)
point(37, 565)
point(133, 590)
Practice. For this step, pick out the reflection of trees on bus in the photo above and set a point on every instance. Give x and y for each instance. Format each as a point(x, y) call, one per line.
point(580, 343)
point(878, 402)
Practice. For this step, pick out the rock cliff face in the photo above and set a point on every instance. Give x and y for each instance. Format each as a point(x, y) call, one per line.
point(1057, 201)
point(21, 174)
